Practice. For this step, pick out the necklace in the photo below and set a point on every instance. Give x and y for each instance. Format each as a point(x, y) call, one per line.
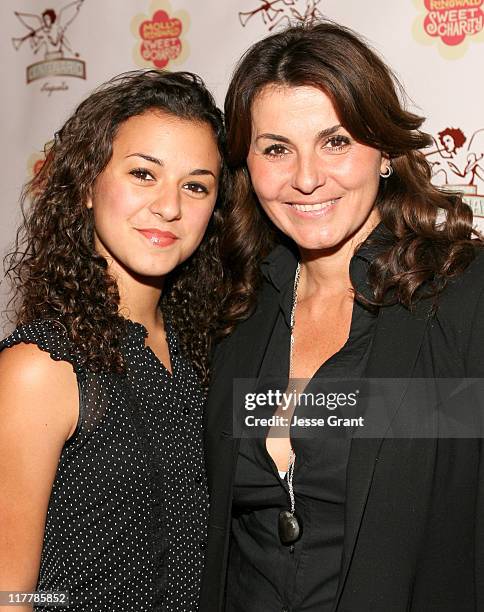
point(293, 318)
point(289, 527)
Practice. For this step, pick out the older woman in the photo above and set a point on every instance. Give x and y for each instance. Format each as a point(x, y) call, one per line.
point(345, 263)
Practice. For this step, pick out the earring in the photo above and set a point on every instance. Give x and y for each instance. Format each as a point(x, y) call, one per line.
point(388, 172)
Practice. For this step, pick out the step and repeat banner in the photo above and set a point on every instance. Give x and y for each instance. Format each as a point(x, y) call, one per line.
point(54, 52)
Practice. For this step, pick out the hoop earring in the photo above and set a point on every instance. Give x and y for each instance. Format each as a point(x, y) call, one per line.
point(388, 172)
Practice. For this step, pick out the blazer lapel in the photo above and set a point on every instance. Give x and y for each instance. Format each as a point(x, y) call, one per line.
point(398, 338)
point(252, 338)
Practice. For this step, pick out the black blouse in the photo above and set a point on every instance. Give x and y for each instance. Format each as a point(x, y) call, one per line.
point(126, 521)
point(263, 574)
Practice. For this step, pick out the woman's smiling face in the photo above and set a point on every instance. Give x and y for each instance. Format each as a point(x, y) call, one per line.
point(154, 199)
point(313, 180)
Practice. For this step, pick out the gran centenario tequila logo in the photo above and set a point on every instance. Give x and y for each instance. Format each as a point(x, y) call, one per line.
point(275, 13)
point(46, 36)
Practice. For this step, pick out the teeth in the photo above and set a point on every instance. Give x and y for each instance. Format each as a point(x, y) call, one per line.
point(154, 240)
point(313, 207)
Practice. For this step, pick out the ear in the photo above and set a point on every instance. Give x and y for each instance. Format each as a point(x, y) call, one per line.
point(385, 162)
point(88, 203)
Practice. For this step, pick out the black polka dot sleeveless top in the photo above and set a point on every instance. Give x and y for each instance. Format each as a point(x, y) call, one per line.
point(126, 522)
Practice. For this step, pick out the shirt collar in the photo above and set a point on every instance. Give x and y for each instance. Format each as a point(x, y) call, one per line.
point(280, 265)
point(379, 240)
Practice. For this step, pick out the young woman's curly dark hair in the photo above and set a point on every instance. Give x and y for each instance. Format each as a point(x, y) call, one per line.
point(432, 236)
point(54, 269)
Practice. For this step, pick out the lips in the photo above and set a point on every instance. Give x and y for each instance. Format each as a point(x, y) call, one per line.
point(158, 238)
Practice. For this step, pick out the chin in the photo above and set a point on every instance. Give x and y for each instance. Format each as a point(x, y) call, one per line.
point(317, 247)
point(327, 238)
point(154, 271)
point(317, 243)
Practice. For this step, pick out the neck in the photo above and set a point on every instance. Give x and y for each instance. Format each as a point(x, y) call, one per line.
point(326, 272)
point(139, 299)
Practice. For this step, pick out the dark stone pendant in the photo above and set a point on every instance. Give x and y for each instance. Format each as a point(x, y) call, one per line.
point(290, 529)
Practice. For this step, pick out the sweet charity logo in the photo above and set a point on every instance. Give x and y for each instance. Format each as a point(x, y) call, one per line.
point(449, 23)
point(160, 36)
point(278, 13)
point(457, 162)
point(45, 35)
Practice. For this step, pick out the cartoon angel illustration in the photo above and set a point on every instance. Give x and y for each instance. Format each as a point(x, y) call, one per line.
point(46, 32)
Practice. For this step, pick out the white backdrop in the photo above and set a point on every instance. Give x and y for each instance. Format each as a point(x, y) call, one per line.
point(56, 51)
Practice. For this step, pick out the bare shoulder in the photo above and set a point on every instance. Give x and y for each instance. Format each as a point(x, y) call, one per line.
point(28, 361)
point(36, 388)
point(38, 412)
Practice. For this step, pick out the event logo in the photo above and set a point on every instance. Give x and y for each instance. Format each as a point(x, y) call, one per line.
point(457, 164)
point(451, 23)
point(46, 34)
point(160, 36)
point(276, 13)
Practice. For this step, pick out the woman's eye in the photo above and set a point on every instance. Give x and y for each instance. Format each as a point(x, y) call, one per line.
point(336, 143)
point(275, 150)
point(142, 174)
point(196, 188)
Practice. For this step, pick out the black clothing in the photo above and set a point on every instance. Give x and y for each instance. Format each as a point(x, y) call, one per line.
point(414, 511)
point(127, 513)
point(262, 573)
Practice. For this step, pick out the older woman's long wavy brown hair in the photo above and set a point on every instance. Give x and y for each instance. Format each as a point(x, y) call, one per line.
point(54, 269)
point(364, 92)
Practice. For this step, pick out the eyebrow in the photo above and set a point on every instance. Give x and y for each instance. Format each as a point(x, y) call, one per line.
point(322, 134)
point(149, 158)
point(158, 162)
point(202, 172)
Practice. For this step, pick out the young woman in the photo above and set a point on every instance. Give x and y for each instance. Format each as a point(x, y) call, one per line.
point(101, 383)
point(346, 263)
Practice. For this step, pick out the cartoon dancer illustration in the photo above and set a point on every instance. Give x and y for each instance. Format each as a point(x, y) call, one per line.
point(47, 31)
point(274, 12)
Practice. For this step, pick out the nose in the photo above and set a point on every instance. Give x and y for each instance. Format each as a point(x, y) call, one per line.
point(166, 204)
point(309, 173)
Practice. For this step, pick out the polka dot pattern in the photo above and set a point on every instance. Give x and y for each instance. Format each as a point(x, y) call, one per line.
point(126, 522)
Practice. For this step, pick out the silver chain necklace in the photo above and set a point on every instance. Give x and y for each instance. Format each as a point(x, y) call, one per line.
point(292, 454)
point(293, 317)
point(290, 528)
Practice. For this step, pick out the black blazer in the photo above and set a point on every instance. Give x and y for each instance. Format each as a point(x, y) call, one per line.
point(414, 515)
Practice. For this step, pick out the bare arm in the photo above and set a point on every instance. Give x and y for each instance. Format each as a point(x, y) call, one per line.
point(38, 412)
